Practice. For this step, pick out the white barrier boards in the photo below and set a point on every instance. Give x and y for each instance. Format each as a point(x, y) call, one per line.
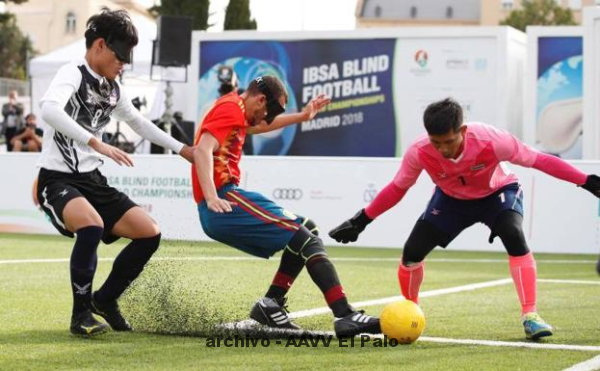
point(559, 217)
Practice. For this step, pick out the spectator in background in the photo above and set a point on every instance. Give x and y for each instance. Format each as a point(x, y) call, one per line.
point(28, 138)
point(13, 117)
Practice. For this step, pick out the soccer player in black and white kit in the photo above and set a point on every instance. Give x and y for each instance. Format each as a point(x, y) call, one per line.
point(78, 105)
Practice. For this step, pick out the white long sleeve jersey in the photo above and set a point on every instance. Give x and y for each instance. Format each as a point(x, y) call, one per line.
point(79, 105)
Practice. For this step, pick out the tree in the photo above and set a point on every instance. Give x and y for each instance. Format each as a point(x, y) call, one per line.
point(197, 9)
point(237, 16)
point(539, 12)
point(15, 48)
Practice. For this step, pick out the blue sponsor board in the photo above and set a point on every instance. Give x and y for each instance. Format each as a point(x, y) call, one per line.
point(356, 74)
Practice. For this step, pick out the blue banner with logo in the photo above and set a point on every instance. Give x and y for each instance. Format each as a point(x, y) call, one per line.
point(356, 74)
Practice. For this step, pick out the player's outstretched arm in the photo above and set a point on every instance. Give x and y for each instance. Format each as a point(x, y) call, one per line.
point(308, 113)
point(349, 230)
point(187, 152)
point(147, 130)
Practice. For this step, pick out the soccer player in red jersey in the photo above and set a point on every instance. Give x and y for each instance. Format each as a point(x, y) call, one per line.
point(466, 163)
point(254, 224)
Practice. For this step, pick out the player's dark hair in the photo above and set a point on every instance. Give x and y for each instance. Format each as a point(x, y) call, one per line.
point(273, 83)
point(111, 25)
point(442, 117)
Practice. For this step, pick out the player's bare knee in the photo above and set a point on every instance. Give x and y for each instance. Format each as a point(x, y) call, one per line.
point(90, 219)
point(154, 230)
point(149, 230)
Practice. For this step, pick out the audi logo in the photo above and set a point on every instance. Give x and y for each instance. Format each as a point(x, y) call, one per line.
point(287, 193)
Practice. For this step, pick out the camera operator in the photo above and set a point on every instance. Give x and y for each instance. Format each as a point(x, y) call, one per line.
point(229, 81)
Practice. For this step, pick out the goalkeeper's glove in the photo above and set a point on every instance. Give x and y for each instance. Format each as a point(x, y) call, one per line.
point(349, 230)
point(592, 184)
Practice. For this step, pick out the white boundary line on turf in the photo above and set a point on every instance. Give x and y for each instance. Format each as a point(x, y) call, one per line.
point(589, 365)
point(580, 282)
point(513, 344)
point(244, 258)
point(585, 348)
point(391, 299)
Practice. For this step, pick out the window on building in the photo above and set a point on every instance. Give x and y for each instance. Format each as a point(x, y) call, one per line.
point(575, 4)
point(377, 11)
point(507, 4)
point(71, 23)
point(413, 12)
point(449, 12)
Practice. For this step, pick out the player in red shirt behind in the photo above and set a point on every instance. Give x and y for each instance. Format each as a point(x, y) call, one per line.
point(254, 224)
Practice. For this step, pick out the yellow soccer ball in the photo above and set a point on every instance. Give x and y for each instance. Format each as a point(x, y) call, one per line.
point(403, 321)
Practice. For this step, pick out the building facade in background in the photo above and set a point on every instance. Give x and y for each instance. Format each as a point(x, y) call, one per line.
point(393, 13)
point(51, 24)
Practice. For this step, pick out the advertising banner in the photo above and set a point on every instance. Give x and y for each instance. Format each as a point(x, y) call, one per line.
point(356, 74)
point(434, 69)
point(380, 83)
point(328, 190)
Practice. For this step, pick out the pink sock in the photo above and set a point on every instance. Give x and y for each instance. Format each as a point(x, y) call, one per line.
point(410, 280)
point(523, 271)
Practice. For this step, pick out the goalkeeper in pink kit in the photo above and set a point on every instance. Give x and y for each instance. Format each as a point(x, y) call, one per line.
point(465, 161)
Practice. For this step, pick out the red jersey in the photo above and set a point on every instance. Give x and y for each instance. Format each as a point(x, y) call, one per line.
point(226, 121)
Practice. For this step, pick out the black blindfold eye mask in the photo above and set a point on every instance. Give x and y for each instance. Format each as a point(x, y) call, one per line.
point(122, 49)
point(274, 108)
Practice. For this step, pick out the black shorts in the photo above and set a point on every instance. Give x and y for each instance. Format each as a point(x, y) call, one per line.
point(56, 189)
point(452, 215)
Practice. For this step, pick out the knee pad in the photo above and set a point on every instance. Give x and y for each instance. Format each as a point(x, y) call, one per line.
point(509, 227)
point(306, 244)
point(311, 226)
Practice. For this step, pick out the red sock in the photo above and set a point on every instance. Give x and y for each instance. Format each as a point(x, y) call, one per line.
point(524, 273)
point(410, 280)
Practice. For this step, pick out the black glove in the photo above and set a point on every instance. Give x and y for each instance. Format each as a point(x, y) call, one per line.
point(592, 184)
point(349, 230)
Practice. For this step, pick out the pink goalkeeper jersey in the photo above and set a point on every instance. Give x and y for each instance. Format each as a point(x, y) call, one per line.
point(477, 172)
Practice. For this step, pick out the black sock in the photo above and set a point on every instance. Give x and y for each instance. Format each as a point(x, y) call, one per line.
point(290, 267)
point(127, 266)
point(83, 265)
point(323, 273)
